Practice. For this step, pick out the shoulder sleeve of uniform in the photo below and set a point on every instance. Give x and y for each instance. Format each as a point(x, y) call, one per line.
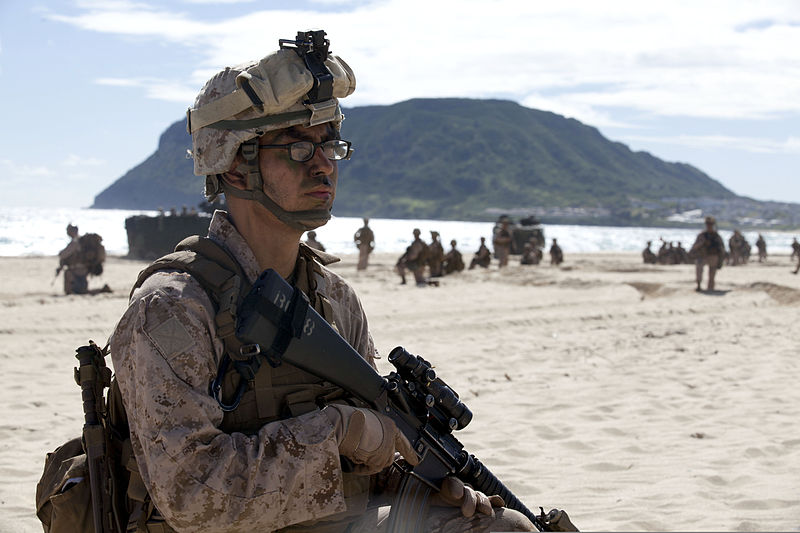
point(71, 249)
point(200, 478)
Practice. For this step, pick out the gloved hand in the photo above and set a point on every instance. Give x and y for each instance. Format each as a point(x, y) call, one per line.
point(456, 494)
point(368, 438)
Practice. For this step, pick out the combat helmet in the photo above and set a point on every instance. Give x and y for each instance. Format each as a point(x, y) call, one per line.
point(299, 84)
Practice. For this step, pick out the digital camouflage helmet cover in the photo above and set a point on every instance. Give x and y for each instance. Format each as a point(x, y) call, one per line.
point(299, 84)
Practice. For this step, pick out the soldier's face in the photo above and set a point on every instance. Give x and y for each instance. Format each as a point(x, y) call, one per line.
point(293, 185)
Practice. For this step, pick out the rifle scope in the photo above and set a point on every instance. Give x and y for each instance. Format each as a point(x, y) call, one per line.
point(417, 371)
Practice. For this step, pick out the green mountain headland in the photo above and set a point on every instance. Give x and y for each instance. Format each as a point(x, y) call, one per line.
point(465, 159)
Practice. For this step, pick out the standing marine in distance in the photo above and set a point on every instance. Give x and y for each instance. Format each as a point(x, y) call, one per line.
point(435, 256)
point(708, 249)
point(267, 135)
point(501, 241)
point(365, 241)
point(795, 253)
point(761, 246)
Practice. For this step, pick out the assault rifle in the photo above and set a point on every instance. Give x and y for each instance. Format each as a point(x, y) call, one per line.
point(277, 324)
point(94, 377)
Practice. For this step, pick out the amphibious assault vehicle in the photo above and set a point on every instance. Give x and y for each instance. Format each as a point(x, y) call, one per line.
point(150, 237)
point(528, 228)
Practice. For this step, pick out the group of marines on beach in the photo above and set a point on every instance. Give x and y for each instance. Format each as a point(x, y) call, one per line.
point(709, 250)
point(421, 258)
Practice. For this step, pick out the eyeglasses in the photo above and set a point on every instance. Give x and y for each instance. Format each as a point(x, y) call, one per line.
point(303, 151)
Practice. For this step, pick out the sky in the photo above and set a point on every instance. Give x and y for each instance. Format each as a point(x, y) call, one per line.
point(87, 87)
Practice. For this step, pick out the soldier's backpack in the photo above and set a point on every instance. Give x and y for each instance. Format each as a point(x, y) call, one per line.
point(92, 253)
point(103, 454)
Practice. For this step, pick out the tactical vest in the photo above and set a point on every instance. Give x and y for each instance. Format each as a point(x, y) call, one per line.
point(274, 393)
point(711, 244)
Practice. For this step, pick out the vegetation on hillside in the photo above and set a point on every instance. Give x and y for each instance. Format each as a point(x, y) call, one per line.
point(455, 159)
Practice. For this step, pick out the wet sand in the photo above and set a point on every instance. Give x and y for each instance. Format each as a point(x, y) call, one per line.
point(605, 387)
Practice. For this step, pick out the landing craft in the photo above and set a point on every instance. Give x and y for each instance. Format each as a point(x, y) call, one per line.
point(150, 237)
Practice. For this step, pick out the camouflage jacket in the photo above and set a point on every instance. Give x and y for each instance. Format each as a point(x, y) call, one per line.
point(707, 243)
point(70, 255)
point(201, 479)
point(364, 237)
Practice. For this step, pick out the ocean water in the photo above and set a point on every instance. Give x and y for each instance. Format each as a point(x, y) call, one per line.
point(38, 231)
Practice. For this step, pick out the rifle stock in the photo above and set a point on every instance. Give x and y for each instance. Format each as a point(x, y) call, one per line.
point(275, 317)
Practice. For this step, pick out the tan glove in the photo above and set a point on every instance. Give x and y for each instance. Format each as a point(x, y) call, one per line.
point(456, 494)
point(368, 438)
point(557, 520)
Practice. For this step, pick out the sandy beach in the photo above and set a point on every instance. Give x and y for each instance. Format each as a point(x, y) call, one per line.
point(605, 387)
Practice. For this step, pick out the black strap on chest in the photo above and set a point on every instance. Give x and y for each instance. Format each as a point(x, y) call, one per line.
point(247, 362)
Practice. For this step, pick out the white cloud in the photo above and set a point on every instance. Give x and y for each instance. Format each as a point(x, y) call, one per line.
point(135, 19)
point(155, 88)
point(73, 160)
point(683, 58)
point(20, 171)
point(574, 108)
point(205, 2)
point(120, 82)
point(29, 171)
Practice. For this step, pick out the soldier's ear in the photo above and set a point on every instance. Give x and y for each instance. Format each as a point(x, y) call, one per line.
point(235, 179)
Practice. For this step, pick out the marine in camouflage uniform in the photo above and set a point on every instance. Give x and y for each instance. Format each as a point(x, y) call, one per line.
point(453, 261)
point(663, 252)
point(795, 253)
point(365, 241)
point(761, 245)
point(648, 256)
point(272, 463)
point(531, 255)
point(312, 242)
point(708, 249)
point(414, 259)
point(556, 254)
point(435, 256)
point(737, 246)
point(82, 257)
point(501, 242)
point(75, 271)
point(483, 257)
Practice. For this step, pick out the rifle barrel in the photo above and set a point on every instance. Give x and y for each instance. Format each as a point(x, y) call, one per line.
point(482, 479)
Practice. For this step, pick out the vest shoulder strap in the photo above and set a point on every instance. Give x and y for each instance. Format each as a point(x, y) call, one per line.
point(218, 273)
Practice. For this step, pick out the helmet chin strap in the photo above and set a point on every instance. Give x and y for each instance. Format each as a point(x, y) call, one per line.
point(298, 220)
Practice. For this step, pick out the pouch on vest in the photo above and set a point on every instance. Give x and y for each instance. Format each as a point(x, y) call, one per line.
point(63, 497)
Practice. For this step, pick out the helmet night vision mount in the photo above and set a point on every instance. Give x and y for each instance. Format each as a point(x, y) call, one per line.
point(312, 47)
